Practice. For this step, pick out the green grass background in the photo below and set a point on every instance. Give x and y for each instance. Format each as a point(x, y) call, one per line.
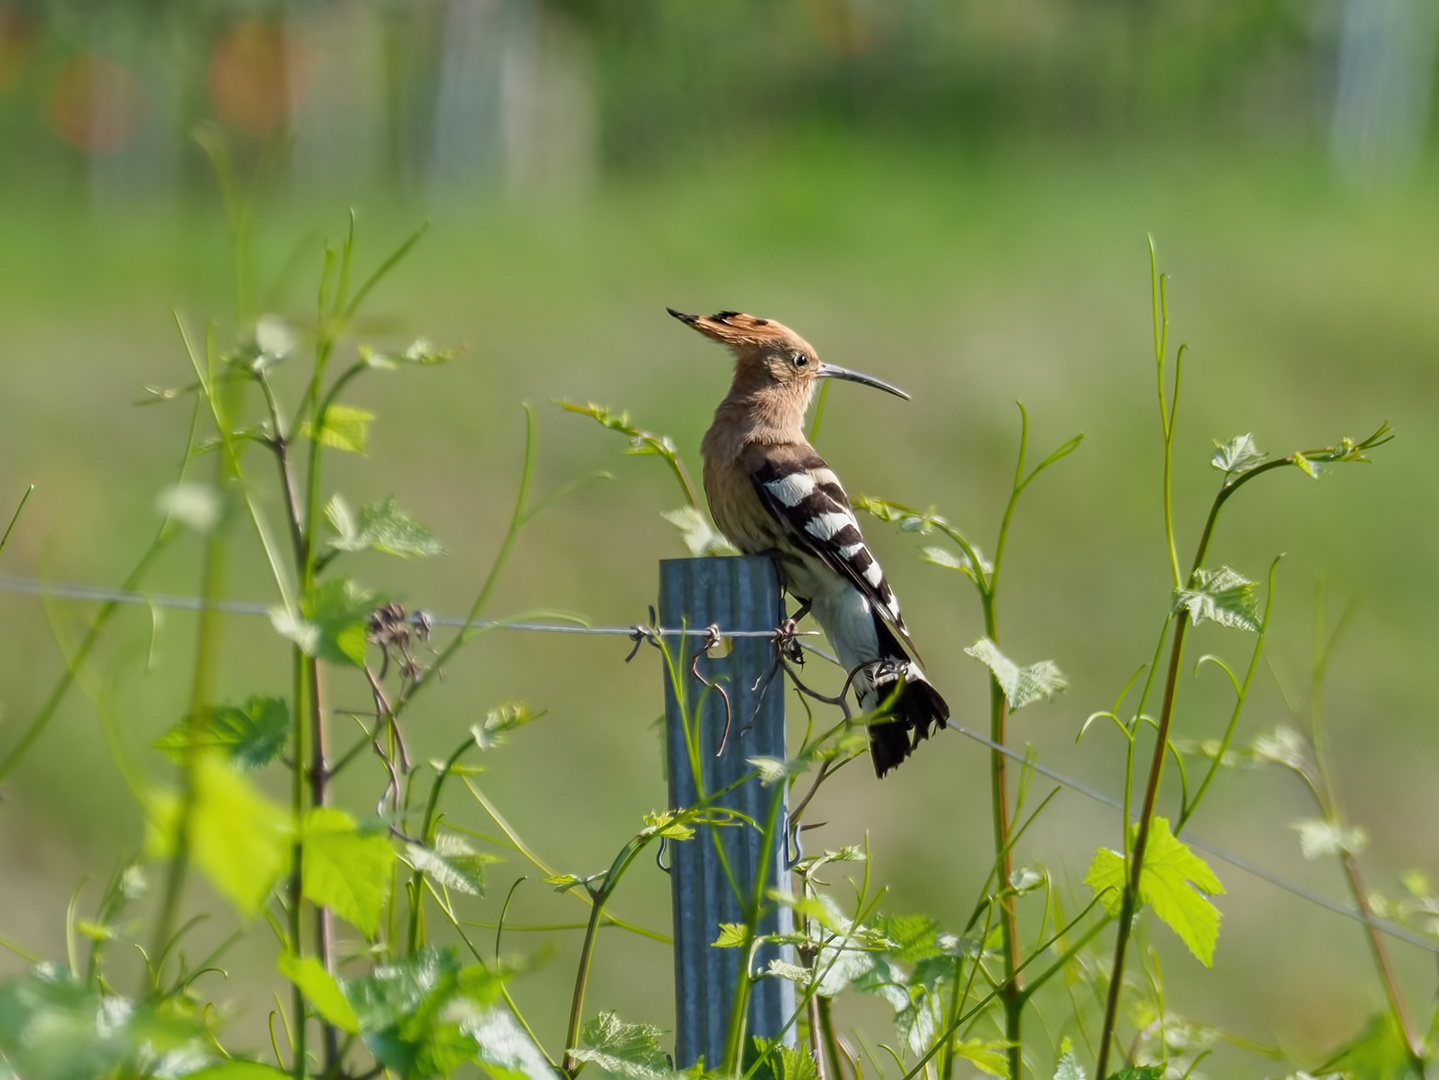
point(971, 282)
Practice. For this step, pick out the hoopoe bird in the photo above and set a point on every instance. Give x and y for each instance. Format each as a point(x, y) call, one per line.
point(771, 493)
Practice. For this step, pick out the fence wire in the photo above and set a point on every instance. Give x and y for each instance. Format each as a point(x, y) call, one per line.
point(102, 594)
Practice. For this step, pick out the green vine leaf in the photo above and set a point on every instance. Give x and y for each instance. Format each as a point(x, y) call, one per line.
point(425, 1015)
point(1173, 882)
point(796, 1063)
point(452, 863)
point(732, 935)
point(1237, 455)
point(700, 536)
point(238, 1069)
point(1224, 596)
point(320, 987)
point(238, 837)
point(1318, 838)
point(1308, 467)
point(629, 1051)
point(421, 352)
point(249, 736)
point(379, 526)
point(344, 428)
point(1068, 1067)
point(988, 1056)
point(1285, 747)
point(345, 869)
point(1021, 685)
point(339, 610)
point(53, 1026)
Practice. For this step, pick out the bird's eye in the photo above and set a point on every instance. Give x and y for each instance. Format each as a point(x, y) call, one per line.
point(800, 360)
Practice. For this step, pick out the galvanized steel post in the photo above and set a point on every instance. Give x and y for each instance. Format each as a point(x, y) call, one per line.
point(735, 594)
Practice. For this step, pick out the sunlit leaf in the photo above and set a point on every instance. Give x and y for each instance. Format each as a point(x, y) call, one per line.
point(320, 987)
point(1172, 882)
point(421, 351)
point(236, 836)
point(913, 937)
point(1224, 595)
point(55, 1027)
point(344, 428)
point(700, 535)
point(1025, 879)
point(1021, 685)
point(783, 969)
point(632, 1051)
point(249, 736)
point(379, 526)
point(1309, 468)
point(988, 1056)
point(425, 1015)
point(1139, 1072)
point(451, 863)
point(1068, 1067)
point(346, 870)
point(664, 823)
point(732, 935)
point(1318, 838)
point(955, 560)
point(1238, 454)
point(340, 610)
point(796, 1063)
point(1285, 747)
point(772, 770)
point(503, 718)
point(239, 1070)
point(504, 1047)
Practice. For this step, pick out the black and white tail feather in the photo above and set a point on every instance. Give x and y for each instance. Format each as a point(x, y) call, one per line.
point(829, 565)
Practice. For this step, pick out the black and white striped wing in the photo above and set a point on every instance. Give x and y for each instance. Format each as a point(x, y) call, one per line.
point(805, 496)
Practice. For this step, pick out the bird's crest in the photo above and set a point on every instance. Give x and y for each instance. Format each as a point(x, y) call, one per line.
point(738, 330)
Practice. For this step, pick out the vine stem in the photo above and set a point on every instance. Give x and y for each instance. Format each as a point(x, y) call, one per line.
point(1130, 901)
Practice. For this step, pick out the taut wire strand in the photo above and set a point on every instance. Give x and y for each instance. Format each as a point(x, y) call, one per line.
point(78, 591)
point(99, 593)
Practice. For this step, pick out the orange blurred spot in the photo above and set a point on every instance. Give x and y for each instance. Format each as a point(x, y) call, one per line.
point(97, 104)
point(17, 37)
point(254, 76)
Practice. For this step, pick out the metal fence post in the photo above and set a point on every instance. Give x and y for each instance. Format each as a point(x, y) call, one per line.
point(735, 594)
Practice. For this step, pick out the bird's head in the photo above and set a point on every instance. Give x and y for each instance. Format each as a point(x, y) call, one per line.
point(769, 356)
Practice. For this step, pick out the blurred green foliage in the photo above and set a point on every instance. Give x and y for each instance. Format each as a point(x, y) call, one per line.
point(954, 196)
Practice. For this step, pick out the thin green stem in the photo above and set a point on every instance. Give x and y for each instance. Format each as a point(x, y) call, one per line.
point(1241, 696)
point(582, 978)
point(739, 1007)
point(168, 530)
point(1156, 768)
point(16, 516)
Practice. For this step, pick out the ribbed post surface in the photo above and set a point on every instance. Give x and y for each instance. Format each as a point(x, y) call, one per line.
point(735, 594)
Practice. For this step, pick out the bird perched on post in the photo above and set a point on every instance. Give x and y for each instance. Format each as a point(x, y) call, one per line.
point(771, 493)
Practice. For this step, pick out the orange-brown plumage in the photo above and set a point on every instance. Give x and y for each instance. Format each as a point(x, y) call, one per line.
point(770, 492)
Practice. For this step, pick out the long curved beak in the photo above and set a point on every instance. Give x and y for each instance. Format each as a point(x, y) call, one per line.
point(834, 371)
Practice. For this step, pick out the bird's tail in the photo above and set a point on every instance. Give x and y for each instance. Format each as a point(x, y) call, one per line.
point(911, 705)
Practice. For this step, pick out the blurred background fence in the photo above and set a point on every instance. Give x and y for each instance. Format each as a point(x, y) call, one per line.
point(437, 95)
